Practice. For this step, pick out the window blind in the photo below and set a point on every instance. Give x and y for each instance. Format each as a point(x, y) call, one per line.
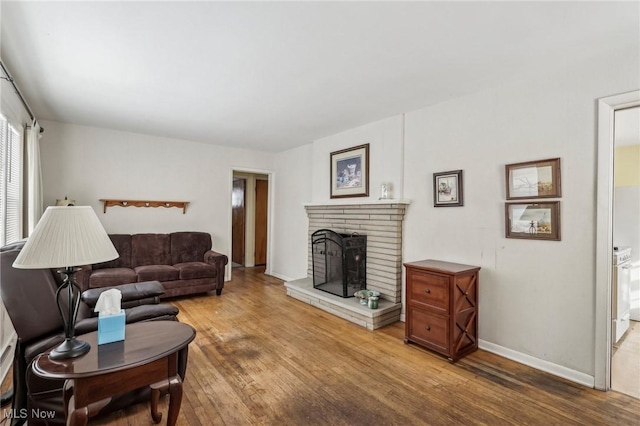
point(10, 183)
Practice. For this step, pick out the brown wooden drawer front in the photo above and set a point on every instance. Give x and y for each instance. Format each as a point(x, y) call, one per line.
point(429, 290)
point(430, 329)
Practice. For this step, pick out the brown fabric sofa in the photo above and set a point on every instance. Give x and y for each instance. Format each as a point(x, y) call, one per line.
point(182, 261)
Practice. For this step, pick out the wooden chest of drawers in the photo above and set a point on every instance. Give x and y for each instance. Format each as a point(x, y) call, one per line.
point(442, 307)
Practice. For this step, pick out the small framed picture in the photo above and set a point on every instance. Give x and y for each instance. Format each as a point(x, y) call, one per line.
point(533, 179)
point(447, 189)
point(533, 221)
point(350, 172)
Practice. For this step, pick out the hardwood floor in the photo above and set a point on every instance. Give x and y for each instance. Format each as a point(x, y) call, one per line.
point(625, 363)
point(261, 357)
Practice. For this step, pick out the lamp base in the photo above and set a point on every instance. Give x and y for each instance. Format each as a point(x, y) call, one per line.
point(70, 348)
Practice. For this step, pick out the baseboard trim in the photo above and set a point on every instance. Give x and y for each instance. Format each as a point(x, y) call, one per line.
point(281, 277)
point(540, 364)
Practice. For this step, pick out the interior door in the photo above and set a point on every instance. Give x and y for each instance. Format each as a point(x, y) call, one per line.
point(238, 200)
point(262, 196)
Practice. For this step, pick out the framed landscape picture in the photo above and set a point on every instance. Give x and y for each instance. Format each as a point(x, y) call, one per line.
point(533, 179)
point(447, 189)
point(350, 172)
point(533, 221)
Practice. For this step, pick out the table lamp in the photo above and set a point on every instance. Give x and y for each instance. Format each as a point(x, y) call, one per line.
point(67, 237)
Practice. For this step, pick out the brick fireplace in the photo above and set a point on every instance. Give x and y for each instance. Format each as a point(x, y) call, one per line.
point(381, 222)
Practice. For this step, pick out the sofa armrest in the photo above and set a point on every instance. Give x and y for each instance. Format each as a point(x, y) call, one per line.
point(219, 260)
point(213, 258)
point(161, 312)
point(135, 294)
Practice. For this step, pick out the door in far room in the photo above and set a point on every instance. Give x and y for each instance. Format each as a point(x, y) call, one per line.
point(262, 197)
point(249, 217)
point(238, 202)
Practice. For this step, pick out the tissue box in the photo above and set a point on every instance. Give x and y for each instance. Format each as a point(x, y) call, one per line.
point(111, 328)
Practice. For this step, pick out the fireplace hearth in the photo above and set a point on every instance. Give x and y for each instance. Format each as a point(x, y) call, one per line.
point(339, 262)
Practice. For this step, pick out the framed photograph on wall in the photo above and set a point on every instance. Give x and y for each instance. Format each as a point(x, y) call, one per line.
point(533, 221)
point(350, 172)
point(533, 179)
point(447, 189)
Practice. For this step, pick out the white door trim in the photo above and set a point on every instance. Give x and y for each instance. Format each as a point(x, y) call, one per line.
point(604, 232)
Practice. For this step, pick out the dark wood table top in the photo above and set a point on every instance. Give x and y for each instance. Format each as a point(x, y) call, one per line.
point(144, 342)
point(440, 266)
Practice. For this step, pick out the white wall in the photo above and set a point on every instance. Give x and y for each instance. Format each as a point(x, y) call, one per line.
point(87, 164)
point(385, 157)
point(292, 189)
point(626, 196)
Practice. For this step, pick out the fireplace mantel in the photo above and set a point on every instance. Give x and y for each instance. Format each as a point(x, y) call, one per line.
point(351, 202)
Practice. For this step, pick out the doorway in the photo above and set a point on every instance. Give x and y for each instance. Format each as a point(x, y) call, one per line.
point(249, 227)
point(625, 303)
point(604, 336)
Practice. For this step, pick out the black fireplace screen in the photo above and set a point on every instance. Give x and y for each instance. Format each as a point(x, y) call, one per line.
point(339, 262)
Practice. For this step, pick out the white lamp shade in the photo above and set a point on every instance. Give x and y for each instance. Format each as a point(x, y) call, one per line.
point(65, 237)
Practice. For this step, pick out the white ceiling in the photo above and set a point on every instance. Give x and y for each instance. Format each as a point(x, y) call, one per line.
point(274, 75)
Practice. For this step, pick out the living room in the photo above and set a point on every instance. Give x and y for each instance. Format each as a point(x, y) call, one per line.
point(526, 91)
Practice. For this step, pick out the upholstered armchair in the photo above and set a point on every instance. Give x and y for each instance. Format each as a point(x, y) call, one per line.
point(29, 297)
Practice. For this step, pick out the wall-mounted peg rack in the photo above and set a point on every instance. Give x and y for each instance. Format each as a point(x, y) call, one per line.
point(144, 203)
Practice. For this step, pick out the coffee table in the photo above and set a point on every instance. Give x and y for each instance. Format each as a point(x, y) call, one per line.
point(147, 357)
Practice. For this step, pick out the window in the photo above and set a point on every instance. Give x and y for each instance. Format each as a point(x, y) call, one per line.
point(10, 183)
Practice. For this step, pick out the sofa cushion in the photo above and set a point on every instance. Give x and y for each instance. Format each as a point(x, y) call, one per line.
point(112, 277)
point(192, 270)
point(189, 246)
point(157, 273)
point(122, 243)
point(150, 249)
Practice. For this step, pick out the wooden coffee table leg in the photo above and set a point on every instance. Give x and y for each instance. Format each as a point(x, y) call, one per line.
point(175, 399)
point(67, 393)
point(78, 417)
point(155, 398)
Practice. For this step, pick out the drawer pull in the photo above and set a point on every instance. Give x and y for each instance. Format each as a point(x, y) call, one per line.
point(428, 328)
point(428, 291)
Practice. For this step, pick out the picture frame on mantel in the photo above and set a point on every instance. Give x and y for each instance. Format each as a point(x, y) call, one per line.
point(350, 172)
point(533, 179)
point(447, 189)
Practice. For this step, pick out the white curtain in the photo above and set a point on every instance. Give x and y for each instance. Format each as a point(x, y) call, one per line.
point(34, 202)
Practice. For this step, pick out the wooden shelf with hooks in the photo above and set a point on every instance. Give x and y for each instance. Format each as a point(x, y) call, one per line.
point(144, 203)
